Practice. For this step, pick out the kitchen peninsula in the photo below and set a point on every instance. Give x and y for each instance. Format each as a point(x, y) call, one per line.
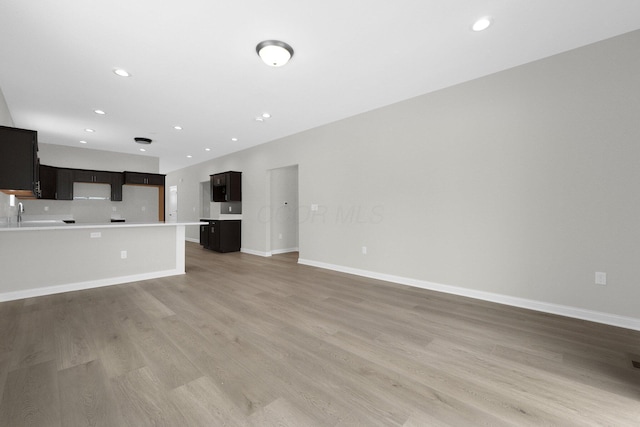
point(40, 259)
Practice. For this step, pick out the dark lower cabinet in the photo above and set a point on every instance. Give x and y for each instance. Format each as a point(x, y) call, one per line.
point(221, 235)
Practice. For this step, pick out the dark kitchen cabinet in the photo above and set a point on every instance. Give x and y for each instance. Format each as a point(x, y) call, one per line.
point(140, 178)
point(204, 235)
point(117, 179)
point(92, 176)
point(48, 180)
point(19, 162)
point(221, 236)
point(226, 187)
point(64, 184)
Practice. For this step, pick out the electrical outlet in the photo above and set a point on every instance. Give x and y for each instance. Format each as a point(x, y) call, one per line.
point(280, 236)
point(123, 254)
point(144, 208)
point(364, 250)
point(96, 234)
point(46, 208)
point(314, 208)
point(601, 278)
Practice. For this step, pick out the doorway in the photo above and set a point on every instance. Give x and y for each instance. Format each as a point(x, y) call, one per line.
point(283, 199)
point(173, 203)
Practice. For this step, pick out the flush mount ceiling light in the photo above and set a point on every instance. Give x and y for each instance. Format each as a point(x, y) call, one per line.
point(100, 112)
point(89, 130)
point(177, 127)
point(481, 24)
point(141, 140)
point(274, 53)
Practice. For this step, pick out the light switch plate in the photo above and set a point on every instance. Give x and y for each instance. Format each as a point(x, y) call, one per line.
point(601, 278)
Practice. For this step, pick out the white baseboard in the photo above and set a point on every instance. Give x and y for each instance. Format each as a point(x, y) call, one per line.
point(284, 251)
point(189, 239)
point(252, 252)
point(562, 310)
point(269, 253)
point(79, 286)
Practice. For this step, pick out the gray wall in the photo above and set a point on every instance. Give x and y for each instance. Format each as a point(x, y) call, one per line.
point(84, 158)
point(521, 183)
point(5, 120)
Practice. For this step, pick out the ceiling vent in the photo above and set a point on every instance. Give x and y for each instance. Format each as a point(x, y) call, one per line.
point(141, 140)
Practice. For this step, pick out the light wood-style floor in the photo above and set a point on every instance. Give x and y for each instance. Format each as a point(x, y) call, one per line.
point(243, 340)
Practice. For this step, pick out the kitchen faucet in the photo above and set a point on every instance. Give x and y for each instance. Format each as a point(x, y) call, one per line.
point(20, 211)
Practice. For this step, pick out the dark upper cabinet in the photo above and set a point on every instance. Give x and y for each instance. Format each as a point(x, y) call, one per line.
point(117, 179)
point(19, 161)
point(48, 181)
point(141, 178)
point(96, 177)
point(57, 183)
point(226, 187)
point(64, 184)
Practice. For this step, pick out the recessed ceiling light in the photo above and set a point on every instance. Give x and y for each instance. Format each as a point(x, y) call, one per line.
point(266, 115)
point(101, 112)
point(89, 130)
point(481, 24)
point(189, 156)
point(207, 149)
point(177, 127)
point(259, 119)
point(122, 73)
point(142, 149)
point(83, 142)
point(234, 139)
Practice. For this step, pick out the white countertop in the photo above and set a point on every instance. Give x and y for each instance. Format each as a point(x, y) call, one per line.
point(56, 225)
point(223, 217)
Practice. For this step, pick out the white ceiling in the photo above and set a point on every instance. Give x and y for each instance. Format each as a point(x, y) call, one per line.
point(193, 63)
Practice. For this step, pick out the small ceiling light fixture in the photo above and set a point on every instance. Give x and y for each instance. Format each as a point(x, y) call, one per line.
point(89, 130)
point(259, 119)
point(100, 112)
point(83, 142)
point(207, 149)
point(141, 140)
point(481, 24)
point(274, 53)
point(122, 73)
point(177, 127)
point(266, 115)
point(143, 150)
point(234, 139)
point(189, 156)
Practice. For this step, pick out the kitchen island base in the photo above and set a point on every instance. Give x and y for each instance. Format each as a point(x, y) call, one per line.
point(39, 261)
